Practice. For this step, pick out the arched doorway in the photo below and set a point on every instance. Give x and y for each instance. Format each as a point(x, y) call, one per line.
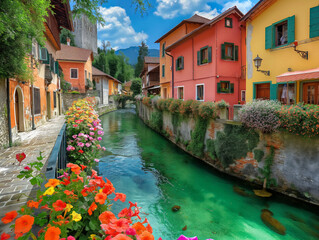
point(18, 109)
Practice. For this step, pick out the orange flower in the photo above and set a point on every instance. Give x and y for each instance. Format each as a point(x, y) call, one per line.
point(83, 167)
point(53, 233)
point(120, 196)
point(9, 217)
point(106, 217)
point(67, 192)
point(92, 208)
point(4, 236)
point(146, 236)
point(59, 205)
point(139, 227)
point(149, 228)
point(121, 237)
point(32, 204)
point(23, 225)
point(52, 183)
point(74, 168)
point(100, 198)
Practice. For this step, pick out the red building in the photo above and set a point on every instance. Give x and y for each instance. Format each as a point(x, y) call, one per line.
point(208, 61)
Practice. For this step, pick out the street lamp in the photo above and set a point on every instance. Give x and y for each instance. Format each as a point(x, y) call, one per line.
point(257, 62)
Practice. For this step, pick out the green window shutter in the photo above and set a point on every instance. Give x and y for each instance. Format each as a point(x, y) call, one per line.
point(209, 54)
point(198, 58)
point(236, 53)
point(232, 87)
point(291, 29)
point(314, 22)
point(56, 67)
point(176, 67)
point(223, 51)
point(218, 88)
point(163, 50)
point(163, 70)
point(182, 67)
point(273, 91)
point(268, 37)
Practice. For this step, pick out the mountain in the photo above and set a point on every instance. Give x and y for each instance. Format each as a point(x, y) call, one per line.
point(132, 53)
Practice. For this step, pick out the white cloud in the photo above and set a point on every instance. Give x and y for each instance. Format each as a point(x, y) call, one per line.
point(210, 14)
point(118, 29)
point(243, 6)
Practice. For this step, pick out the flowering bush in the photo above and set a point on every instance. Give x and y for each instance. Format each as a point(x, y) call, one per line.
point(76, 206)
point(194, 106)
point(84, 132)
point(207, 110)
point(185, 107)
point(175, 105)
point(222, 104)
point(300, 120)
point(147, 101)
point(262, 115)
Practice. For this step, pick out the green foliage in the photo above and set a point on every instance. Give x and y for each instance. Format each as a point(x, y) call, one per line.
point(65, 33)
point(207, 110)
point(211, 148)
point(65, 85)
point(222, 104)
point(20, 22)
point(156, 121)
point(136, 86)
point(75, 92)
point(143, 52)
point(259, 154)
point(266, 170)
point(176, 120)
point(196, 145)
point(147, 101)
point(234, 143)
point(185, 107)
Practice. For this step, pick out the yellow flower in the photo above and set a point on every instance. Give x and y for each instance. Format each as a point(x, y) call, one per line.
point(76, 216)
point(100, 190)
point(92, 236)
point(68, 207)
point(49, 191)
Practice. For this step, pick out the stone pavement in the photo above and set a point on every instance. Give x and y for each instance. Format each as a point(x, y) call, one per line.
point(14, 192)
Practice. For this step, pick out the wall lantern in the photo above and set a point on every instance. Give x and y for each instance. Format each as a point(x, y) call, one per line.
point(257, 62)
point(303, 54)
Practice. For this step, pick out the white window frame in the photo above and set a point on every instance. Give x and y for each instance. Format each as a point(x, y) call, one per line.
point(241, 95)
point(77, 71)
point(201, 84)
point(178, 92)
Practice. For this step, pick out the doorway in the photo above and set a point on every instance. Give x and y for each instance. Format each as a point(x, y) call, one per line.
point(48, 105)
point(263, 91)
point(18, 109)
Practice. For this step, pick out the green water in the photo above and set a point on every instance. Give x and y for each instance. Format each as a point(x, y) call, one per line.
point(158, 175)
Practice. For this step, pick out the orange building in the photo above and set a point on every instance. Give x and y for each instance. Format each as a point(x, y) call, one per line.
point(36, 100)
point(115, 86)
point(76, 64)
point(176, 33)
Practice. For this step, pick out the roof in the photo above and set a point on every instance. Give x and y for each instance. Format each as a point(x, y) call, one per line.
point(62, 12)
point(151, 60)
point(97, 72)
point(257, 8)
point(128, 84)
point(70, 53)
point(205, 26)
point(299, 75)
point(194, 19)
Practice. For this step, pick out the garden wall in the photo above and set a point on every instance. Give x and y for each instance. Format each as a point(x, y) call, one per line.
point(4, 136)
point(288, 162)
point(69, 98)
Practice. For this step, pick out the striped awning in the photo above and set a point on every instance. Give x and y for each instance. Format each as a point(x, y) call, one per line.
point(299, 75)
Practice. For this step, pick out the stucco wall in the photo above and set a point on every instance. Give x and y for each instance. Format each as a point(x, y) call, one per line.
point(295, 161)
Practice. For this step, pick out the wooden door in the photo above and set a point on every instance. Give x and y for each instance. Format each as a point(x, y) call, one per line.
point(311, 93)
point(263, 91)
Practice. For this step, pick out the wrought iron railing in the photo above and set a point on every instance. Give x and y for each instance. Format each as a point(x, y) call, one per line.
point(58, 157)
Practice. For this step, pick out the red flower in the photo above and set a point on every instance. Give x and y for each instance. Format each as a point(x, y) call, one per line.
point(100, 198)
point(23, 225)
point(4, 236)
point(81, 151)
point(120, 196)
point(59, 205)
point(8, 218)
point(20, 157)
point(92, 208)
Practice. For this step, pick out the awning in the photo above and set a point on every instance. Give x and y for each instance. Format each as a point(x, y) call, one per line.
point(299, 75)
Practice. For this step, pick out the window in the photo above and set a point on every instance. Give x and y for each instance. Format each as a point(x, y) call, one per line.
point(74, 72)
point(314, 22)
point(225, 87)
point(52, 63)
point(229, 51)
point(163, 70)
point(37, 101)
point(311, 93)
point(56, 68)
point(43, 55)
point(200, 92)
point(204, 55)
point(54, 99)
point(229, 22)
point(280, 33)
point(163, 50)
point(283, 94)
point(180, 92)
point(243, 96)
point(263, 91)
point(179, 63)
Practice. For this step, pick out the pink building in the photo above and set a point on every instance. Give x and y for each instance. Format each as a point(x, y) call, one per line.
point(208, 61)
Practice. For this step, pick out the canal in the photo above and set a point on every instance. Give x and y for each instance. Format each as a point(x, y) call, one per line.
point(157, 175)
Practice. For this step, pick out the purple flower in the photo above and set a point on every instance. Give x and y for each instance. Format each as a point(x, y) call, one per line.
point(99, 138)
point(182, 237)
point(91, 133)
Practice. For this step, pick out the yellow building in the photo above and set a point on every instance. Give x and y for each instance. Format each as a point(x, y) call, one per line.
point(282, 33)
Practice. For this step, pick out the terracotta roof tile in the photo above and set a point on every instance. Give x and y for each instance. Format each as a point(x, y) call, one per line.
point(70, 53)
point(154, 60)
point(97, 72)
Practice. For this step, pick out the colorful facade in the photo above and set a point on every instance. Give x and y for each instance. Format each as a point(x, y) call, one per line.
point(101, 82)
point(115, 86)
point(76, 64)
point(276, 31)
point(208, 61)
point(37, 100)
point(150, 76)
point(179, 31)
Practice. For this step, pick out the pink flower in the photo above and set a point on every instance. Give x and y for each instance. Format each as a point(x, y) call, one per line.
point(81, 134)
point(103, 148)
point(131, 231)
point(88, 144)
point(100, 133)
point(27, 168)
point(74, 136)
point(90, 138)
point(69, 148)
point(91, 129)
point(96, 160)
point(81, 144)
point(91, 133)
point(75, 125)
point(99, 138)
point(70, 238)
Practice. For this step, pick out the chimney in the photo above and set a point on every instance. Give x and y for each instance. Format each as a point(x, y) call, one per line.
point(68, 41)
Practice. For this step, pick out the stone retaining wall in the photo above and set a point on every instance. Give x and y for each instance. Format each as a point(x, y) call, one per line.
point(69, 98)
point(4, 135)
point(244, 153)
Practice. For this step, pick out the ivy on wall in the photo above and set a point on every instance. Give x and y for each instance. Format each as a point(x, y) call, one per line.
point(197, 143)
point(266, 170)
point(156, 120)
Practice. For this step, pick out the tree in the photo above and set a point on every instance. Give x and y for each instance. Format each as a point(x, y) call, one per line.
point(136, 86)
point(143, 51)
point(65, 33)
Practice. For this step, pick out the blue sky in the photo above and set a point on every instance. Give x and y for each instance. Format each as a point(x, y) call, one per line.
point(125, 27)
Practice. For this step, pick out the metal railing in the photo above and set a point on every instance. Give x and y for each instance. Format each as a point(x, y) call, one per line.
point(58, 157)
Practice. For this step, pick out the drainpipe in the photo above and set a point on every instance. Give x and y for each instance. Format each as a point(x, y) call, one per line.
point(9, 112)
point(32, 102)
point(172, 73)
